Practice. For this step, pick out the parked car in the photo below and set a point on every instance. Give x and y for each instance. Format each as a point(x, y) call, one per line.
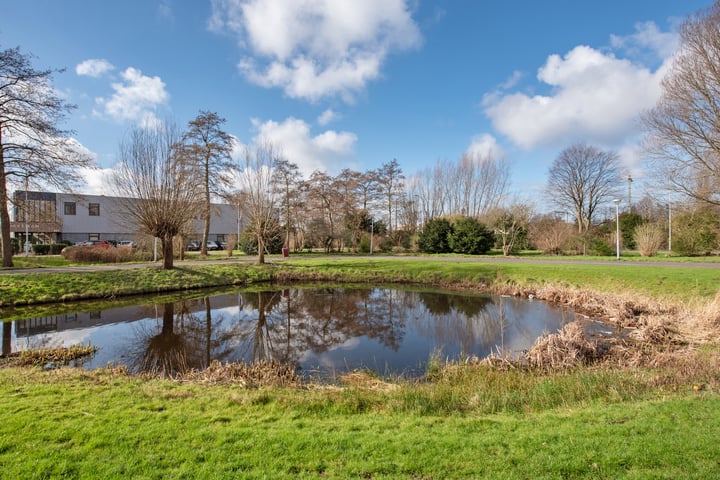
point(126, 244)
point(96, 244)
point(212, 245)
point(193, 246)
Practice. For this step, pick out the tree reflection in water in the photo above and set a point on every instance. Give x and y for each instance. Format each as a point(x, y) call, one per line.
point(331, 328)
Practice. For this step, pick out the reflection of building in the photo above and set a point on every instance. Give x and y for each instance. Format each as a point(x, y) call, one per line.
point(54, 217)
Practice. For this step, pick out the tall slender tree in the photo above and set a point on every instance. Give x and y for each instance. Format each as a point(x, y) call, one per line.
point(32, 145)
point(207, 147)
point(390, 180)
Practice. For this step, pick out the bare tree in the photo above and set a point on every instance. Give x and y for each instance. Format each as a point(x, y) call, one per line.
point(510, 224)
point(683, 129)
point(549, 234)
point(155, 185)
point(32, 146)
point(207, 147)
point(581, 179)
point(390, 181)
point(325, 201)
point(255, 175)
point(472, 186)
point(289, 186)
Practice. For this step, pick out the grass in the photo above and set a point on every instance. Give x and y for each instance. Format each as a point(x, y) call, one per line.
point(676, 283)
point(69, 424)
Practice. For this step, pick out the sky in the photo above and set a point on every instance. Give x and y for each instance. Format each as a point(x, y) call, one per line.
point(357, 83)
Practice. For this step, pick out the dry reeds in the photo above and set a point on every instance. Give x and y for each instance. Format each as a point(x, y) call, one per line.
point(246, 375)
point(562, 350)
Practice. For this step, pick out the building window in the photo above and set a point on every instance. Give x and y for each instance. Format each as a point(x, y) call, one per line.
point(94, 210)
point(69, 208)
point(94, 236)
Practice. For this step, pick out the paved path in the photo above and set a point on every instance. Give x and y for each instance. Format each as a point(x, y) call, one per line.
point(275, 259)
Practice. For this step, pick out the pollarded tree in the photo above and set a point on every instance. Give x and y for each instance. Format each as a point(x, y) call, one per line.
point(207, 147)
point(155, 184)
point(32, 146)
point(581, 179)
point(683, 139)
point(256, 181)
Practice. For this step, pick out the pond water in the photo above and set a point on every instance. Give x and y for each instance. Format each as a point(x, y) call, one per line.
point(323, 331)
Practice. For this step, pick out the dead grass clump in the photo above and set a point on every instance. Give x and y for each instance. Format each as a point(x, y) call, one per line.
point(251, 375)
point(55, 356)
point(366, 381)
point(562, 350)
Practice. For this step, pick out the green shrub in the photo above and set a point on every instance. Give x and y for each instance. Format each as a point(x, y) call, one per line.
point(40, 249)
point(470, 237)
point(434, 237)
point(56, 248)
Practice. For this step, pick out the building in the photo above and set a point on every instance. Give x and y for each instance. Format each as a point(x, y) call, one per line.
point(55, 217)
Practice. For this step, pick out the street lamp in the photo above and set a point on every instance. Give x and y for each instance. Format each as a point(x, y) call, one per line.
point(27, 211)
point(617, 228)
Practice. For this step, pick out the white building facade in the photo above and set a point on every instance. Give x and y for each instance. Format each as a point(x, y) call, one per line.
point(50, 217)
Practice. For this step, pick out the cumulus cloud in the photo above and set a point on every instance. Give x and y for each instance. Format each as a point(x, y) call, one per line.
point(327, 116)
point(595, 97)
point(97, 181)
point(484, 145)
point(136, 98)
point(328, 151)
point(94, 67)
point(316, 48)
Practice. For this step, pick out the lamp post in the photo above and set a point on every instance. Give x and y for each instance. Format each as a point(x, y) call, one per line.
point(27, 211)
point(617, 228)
point(372, 233)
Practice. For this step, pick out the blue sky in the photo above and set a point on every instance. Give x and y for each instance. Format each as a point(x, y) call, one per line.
point(357, 83)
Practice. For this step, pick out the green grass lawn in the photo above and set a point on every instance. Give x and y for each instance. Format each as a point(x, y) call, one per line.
point(105, 426)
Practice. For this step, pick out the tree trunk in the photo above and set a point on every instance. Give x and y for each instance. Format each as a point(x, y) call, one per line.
point(261, 249)
point(167, 251)
point(7, 254)
point(206, 214)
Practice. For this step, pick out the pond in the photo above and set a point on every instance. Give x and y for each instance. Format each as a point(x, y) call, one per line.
point(323, 331)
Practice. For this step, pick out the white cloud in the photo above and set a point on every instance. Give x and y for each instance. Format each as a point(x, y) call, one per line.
point(94, 67)
point(647, 36)
point(595, 97)
point(484, 145)
point(327, 116)
point(137, 98)
point(316, 48)
point(329, 151)
point(97, 181)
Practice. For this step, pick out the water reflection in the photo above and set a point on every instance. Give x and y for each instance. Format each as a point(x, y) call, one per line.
point(323, 331)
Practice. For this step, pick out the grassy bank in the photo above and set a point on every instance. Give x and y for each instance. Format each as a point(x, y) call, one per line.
point(667, 282)
point(651, 413)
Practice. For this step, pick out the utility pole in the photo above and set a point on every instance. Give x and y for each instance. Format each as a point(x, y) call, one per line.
point(629, 193)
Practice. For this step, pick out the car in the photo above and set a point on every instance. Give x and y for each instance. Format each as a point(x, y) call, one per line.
point(96, 244)
point(126, 244)
point(212, 245)
point(193, 246)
